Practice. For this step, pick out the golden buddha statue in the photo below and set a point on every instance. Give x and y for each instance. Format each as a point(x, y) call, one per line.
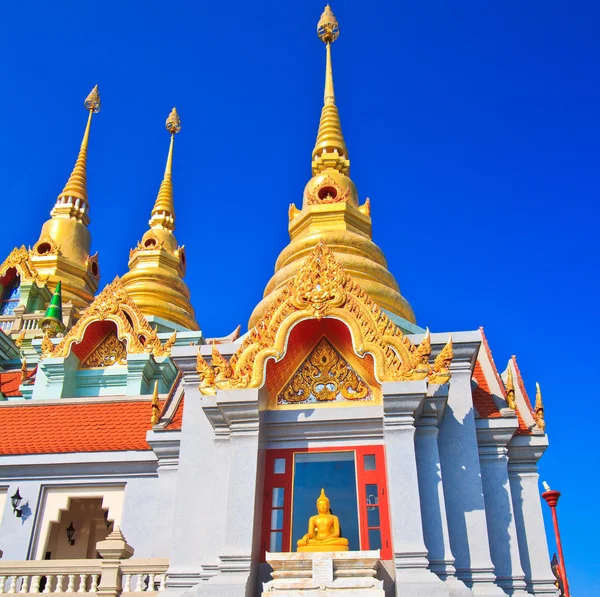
point(323, 530)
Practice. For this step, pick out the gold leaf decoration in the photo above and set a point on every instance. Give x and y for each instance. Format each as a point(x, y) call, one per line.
point(440, 372)
point(20, 259)
point(323, 289)
point(206, 374)
point(111, 351)
point(114, 304)
point(324, 376)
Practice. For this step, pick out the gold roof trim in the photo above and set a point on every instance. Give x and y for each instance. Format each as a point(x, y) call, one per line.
point(20, 259)
point(114, 304)
point(323, 289)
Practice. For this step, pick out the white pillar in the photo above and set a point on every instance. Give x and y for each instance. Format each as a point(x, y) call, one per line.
point(402, 403)
point(462, 479)
point(433, 506)
point(235, 414)
point(493, 436)
point(523, 455)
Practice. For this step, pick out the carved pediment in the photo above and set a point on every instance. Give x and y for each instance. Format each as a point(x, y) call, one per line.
point(323, 289)
point(324, 376)
point(114, 304)
point(20, 259)
point(111, 351)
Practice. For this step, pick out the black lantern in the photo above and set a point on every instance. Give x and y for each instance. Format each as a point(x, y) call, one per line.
point(70, 530)
point(16, 500)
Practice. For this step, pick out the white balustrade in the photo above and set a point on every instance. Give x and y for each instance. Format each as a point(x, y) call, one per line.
point(80, 576)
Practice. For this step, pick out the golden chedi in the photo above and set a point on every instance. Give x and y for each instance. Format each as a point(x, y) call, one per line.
point(331, 212)
point(62, 253)
point(157, 265)
point(323, 530)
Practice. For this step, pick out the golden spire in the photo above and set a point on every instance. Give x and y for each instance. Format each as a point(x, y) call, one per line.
point(331, 213)
point(157, 265)
point(73, 201)
point(163, 213)
point(510, 389)
point(330, 149)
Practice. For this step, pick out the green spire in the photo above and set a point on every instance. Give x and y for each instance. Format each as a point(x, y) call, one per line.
point(52, 322)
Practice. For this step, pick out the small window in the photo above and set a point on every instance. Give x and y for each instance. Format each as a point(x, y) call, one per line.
point(370, 462)
point(279, 466)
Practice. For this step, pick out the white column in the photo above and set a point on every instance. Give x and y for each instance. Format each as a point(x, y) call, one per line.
point(197, 471)
point(523, 455)
point(237, 411)
point(402, 403)
point(493, 436)
point(463, 492)
point(433, 506)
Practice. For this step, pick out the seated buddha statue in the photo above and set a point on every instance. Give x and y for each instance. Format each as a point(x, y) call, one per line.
point(323, 530)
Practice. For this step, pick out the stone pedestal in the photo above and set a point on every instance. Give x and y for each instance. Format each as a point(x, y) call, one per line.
point(336, 573)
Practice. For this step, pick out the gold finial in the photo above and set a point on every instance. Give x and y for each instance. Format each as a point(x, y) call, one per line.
point(155, 409)
point(92, 101)
point(173, 122)
point(328, 28)
point(510, 389)
point(539, 408)
point(330, 149)
point(163, 213)
point(73, 201)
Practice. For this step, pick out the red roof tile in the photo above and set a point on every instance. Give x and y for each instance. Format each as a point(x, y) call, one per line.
point(62, 428)
point(482, 396)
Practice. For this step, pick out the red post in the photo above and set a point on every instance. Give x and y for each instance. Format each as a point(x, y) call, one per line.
point(551, 496)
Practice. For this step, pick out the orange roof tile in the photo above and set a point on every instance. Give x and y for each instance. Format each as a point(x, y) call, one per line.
point(62, 428)
point(11, 380)
point(482, 396)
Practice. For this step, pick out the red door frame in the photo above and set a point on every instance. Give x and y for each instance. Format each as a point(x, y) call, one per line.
point(284, 480)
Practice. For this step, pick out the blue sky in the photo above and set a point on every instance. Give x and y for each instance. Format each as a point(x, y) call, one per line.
point(472, 126)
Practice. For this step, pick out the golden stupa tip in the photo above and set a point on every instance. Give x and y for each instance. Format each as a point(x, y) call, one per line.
point(328, 28)
point(173, 122)
point(92, 101)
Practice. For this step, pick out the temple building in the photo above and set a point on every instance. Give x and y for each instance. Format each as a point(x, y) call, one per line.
point(337, 447)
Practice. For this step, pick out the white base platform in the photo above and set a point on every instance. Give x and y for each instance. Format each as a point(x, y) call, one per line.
point(336, 573)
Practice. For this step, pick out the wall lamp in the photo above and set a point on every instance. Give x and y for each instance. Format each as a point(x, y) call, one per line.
point(70, 530)
point(16, 501)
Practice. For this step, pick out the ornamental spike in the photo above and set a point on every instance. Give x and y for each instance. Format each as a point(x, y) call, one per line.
point(73, 201)
point(330, 148)
point(163, 213)
point(155, 409)
point(510, 389)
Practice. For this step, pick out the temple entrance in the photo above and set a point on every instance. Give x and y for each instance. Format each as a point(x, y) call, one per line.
point(353, 479)
point(75, 534)
point(335, 472)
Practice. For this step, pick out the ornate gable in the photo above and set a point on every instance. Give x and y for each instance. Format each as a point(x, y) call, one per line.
point(324, 376)
point(114, 304)
point(20, 259)
point(323, 289)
